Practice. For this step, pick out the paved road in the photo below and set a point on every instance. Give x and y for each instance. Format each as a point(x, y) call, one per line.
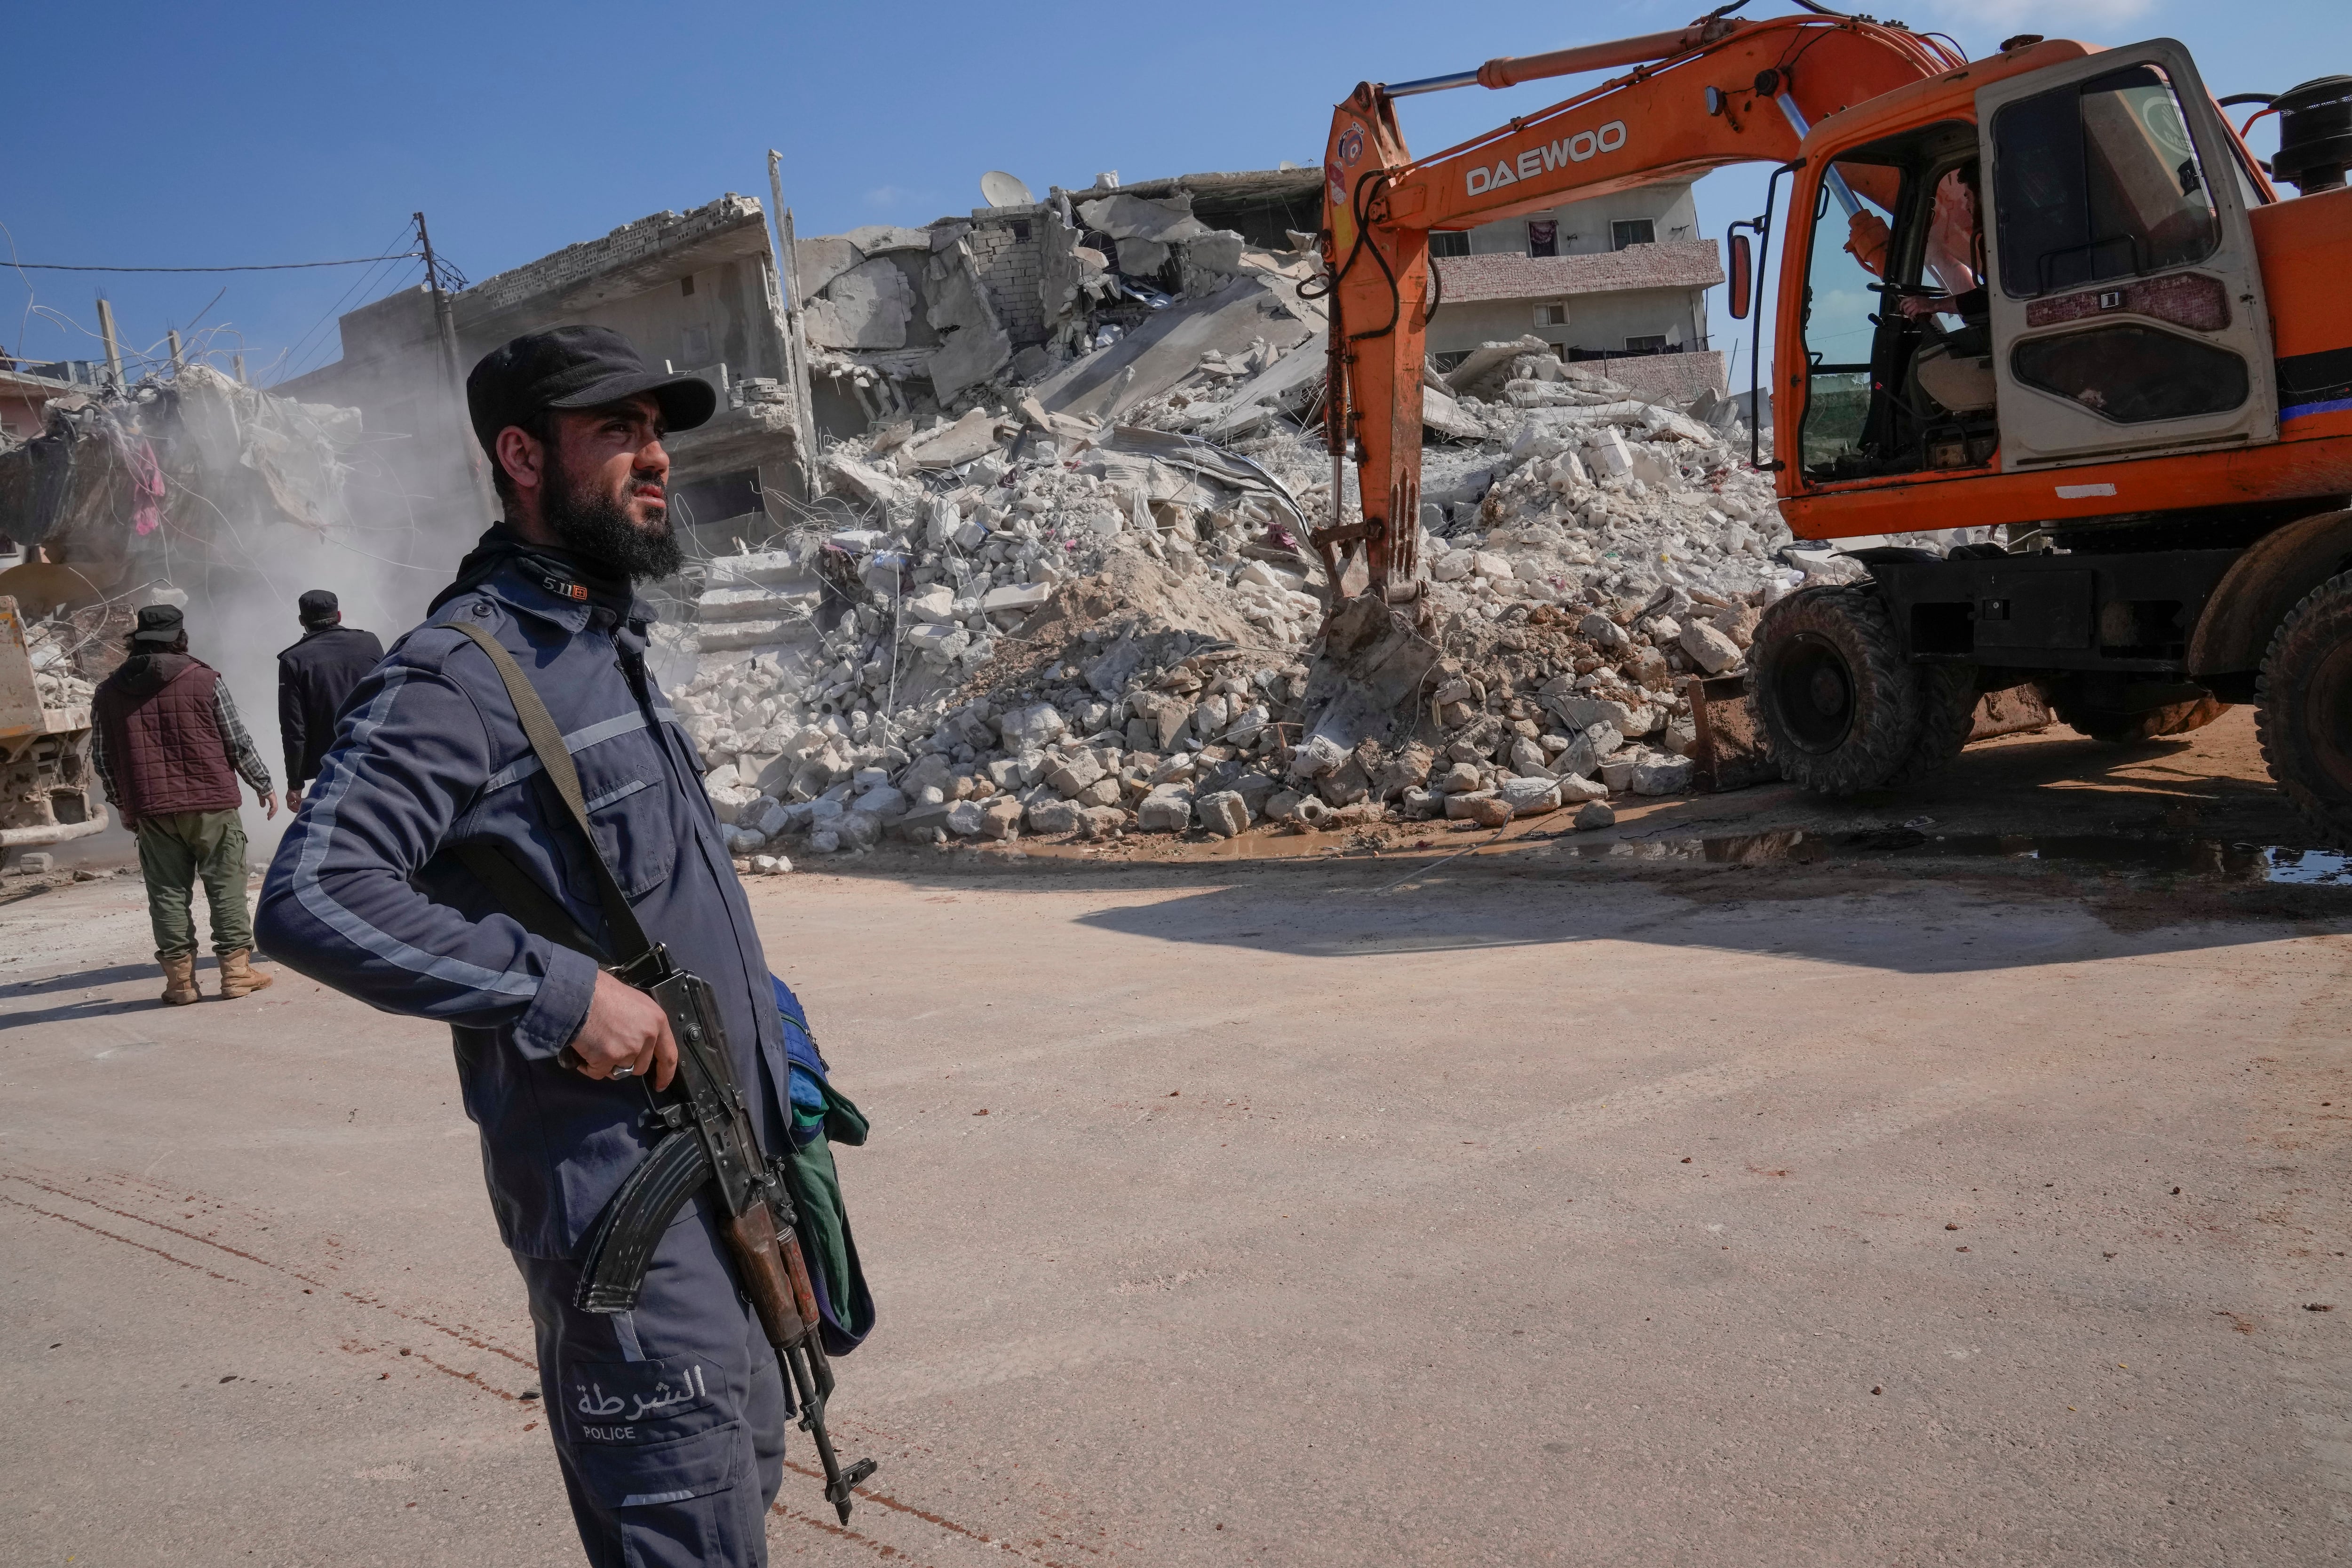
point(1798, 1214)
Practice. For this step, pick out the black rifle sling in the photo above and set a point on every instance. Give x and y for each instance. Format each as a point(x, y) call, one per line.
point(547, 744)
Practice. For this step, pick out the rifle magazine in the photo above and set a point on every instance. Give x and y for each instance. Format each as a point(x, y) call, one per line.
point(621, 1247)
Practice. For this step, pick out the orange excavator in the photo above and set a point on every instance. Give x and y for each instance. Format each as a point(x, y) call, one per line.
point(2050, 291)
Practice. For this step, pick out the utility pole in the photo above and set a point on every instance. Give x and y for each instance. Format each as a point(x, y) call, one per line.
point(106, 330)
point(240, 369)
point(444, 331)
point(172, 337)
point(795, 332)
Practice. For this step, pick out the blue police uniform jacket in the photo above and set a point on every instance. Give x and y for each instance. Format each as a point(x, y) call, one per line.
point(365, 896)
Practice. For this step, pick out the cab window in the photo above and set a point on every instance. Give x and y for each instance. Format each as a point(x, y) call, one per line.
point(2099, 179)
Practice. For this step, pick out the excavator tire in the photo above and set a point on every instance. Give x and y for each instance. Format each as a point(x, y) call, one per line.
point(1948, 712)
point(1840, 708)
point(2129, 729)
point(2303, 708)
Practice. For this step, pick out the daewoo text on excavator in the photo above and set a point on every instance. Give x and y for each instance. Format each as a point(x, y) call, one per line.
point(2050, 291)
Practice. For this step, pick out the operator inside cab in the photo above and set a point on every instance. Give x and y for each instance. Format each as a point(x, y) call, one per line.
point(1914, 291)
point(1951, 370)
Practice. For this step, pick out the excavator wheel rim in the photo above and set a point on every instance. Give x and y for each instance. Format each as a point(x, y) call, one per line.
point(1846, 632)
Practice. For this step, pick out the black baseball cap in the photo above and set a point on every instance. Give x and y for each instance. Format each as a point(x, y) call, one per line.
point(575, 367)
point(159, 623)
point(318, 607)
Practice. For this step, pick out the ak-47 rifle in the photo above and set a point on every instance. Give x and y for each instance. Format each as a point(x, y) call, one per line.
point(708, 1138)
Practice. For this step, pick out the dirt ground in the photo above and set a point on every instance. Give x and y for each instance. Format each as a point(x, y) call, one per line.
point(1956, 1178)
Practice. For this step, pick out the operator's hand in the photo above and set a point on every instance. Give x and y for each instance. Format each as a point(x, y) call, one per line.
point(293, 797)
point(268, 804)
point(625, 1028)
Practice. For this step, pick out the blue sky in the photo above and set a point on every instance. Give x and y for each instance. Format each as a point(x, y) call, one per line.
point(261, 133)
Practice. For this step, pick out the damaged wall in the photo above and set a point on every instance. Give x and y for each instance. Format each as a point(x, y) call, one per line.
point(697, 289)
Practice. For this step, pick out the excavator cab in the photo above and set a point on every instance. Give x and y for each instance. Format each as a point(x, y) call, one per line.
point(1896, 321)
point(2070, 277)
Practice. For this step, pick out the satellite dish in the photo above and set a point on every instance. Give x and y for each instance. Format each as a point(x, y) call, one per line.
point(1004, 190)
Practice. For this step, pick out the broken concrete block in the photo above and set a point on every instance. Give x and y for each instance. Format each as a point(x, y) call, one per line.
point(1680, 735)
point(999, 818)
point(1574, 788)
point(977, 345)
point(1073, 772)
point(728, 803)
point(969, 438)
point(1485, 563)
point(1617, 771)
point(933, 605)
point(1283, 805)
point(1581, 712)
point(1527, 758)
point(818, 261)
point(1100, 821)
point(882, 802)
point(1529, 796)
point(1165, 810)
point(1738, 623)
point(1459, 779)
point(1025, 728)
point(1054, 817)
point(1485, 809)
point(1665, 775)
point(867, 307)
point(1319, 755)
point(1224, 812)
point(964, 819)
point(1015, 597)
point(1602, 632)
point(859, 481)
point(1594, 815)
point(1123, 216)
point(770, 865)
point(1607, 455)
point(1452, 566)
point(1709, 647)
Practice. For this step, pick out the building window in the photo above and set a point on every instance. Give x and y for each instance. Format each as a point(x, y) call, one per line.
point(1655, 343)
point(686, 286)
point(1551, 315)
point(1021, 231)
point(1455, 244)
point(1631, 231)
point(1543, 236)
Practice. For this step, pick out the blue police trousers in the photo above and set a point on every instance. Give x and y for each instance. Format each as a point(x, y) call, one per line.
point(670, 1420)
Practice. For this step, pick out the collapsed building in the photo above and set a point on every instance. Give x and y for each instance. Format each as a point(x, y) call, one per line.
point(192, 489)
point(1059, 587)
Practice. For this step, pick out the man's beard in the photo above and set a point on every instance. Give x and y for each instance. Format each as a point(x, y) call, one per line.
point(598, 526)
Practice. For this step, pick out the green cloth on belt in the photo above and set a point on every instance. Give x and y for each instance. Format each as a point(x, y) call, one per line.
point(177, 850)
point(823, 1220)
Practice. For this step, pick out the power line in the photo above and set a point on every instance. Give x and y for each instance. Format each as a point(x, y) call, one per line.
point(261, 267)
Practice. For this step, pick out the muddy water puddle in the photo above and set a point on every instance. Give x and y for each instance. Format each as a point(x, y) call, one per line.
point(2123, 852)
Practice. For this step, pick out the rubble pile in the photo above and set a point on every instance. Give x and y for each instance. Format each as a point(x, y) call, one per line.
point(1077, 602)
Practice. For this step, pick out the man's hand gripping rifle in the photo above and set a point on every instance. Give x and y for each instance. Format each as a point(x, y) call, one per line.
point(709, 1139)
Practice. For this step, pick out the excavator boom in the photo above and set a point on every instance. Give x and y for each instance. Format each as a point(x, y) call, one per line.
point(1724, 91)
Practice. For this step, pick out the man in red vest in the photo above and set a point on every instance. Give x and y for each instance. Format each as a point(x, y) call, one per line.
point(169, 749)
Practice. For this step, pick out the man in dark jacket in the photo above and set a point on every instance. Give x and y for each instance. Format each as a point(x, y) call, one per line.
point(314, 676)
point(668, 1421)
point(169, 747)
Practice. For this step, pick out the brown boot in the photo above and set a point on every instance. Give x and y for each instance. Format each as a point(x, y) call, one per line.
point(180, 981)
point(238, 976)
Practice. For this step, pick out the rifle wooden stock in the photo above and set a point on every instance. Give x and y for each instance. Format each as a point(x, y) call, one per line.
point(764, 1259)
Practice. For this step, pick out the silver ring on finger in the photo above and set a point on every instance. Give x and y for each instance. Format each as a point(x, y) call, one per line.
point(625, 1071)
